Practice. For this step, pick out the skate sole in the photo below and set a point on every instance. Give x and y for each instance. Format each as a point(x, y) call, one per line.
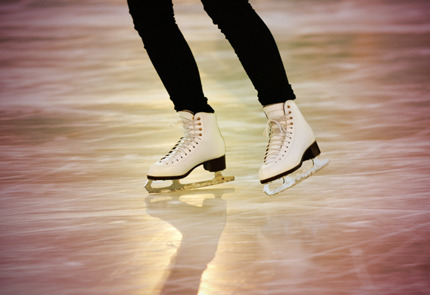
point(311, 152)
point(213, 165)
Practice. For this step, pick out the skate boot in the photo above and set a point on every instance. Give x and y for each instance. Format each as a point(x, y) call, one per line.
point(202, 144)
point(291, 142)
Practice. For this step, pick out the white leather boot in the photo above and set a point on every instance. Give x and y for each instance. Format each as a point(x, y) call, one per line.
point(291, 141)
point(202, 144)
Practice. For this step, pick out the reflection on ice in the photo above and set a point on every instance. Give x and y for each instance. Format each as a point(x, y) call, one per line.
point(200, 228)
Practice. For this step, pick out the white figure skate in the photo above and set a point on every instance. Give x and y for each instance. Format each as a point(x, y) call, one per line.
point(202, 144)
point(291, 142)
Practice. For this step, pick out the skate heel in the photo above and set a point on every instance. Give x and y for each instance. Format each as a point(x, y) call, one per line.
point(311, 152)
point(215, 164)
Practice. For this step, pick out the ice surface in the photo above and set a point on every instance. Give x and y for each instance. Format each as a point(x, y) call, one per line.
point(83, 115)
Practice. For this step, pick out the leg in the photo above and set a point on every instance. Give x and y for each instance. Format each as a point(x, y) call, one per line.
point(291, 139)
point(254, 46)
point(169, 52)
point(202, 143)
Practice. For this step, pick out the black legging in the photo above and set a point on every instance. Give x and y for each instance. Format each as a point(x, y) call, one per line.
point(174, 61)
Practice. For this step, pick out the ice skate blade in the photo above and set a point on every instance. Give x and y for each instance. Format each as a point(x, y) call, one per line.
point(178, 186)
point(288, 182)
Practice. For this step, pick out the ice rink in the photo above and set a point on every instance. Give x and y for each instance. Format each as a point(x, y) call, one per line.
point(83, 116)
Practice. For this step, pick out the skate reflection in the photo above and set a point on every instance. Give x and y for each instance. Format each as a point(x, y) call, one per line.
point(201, 228)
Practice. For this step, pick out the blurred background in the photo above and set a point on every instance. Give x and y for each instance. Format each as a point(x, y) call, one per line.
point(83, 115)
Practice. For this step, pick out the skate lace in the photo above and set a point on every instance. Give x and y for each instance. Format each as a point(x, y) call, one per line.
point(191, 138)
point(279, 135)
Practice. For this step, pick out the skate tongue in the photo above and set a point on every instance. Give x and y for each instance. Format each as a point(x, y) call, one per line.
point(274, 111)
point(185, 115)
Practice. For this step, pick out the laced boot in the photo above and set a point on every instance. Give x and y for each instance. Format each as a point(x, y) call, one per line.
point(291, 141)
point(202, 144)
